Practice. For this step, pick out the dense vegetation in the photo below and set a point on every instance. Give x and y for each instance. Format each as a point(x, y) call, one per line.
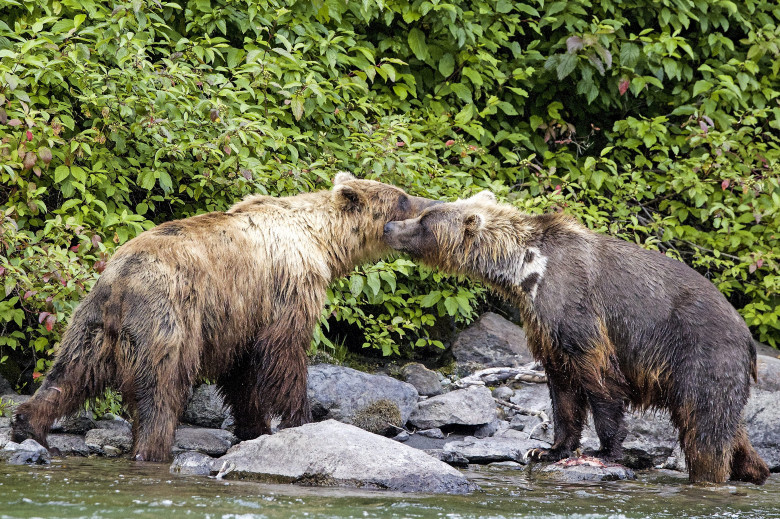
point(657, 122)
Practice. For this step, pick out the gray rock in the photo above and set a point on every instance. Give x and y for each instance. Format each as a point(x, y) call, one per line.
point(483, 431)
point(762, 416)
point(5, 435)
point(206, 407)
point(768, 373)
point(76, 424)
point(676, 461)
point(351, 396)
point(214, 442)
point(68, 444)
point(5, 421)
point(109, 441)
point(431, 433)
point(455, 459)
point(191, 463)
point(401, 436)
point(425, 381)
point(503, 393)
point(27, 452)
point(5, 386)
point(333, 453)
point(489, 450)
point(585, 468)
point(470, 406)
point(491, 341)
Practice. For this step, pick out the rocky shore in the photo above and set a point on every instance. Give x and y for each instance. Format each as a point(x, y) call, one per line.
point(376, 431)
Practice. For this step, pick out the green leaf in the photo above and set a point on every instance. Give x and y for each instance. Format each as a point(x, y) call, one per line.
point(462, 91)
point(356, 283)
point(566, 65)
point(373, 282)
point(701, 86)
point(447, 65)
point(629, 54)
point(61, 173)
point(431, 299)
point(417, 43)
point(504, 6)
point(451, 304)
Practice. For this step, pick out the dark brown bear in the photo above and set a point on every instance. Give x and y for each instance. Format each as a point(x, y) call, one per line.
point(230, 296)
point(612, 323)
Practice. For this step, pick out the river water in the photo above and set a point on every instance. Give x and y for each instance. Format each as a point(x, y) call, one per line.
point(99, 487)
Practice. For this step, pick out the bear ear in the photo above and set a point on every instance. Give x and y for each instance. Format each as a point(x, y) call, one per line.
point(483, 196)
point(341, 177)
point(473, 223)
point(347, 198)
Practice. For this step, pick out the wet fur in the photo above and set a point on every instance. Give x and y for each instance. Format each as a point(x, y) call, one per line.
point(232, 296)
point(615, 325)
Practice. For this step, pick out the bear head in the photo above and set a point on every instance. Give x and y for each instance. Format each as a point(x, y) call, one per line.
point(367, 205)
point(466, 236)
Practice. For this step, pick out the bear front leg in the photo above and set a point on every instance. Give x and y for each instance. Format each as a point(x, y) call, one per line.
point(569, 411)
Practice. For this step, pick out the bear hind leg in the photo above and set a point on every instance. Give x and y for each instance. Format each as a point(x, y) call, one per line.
point(746, 464)
point(241, 387)
point(610, 427)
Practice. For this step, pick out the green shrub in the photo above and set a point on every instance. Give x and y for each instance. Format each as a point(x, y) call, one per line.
point(654, 122)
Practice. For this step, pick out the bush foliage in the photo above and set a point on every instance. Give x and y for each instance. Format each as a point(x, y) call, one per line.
point(657, 122)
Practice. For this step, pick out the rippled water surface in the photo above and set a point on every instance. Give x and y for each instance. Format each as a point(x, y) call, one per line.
point(78, 487)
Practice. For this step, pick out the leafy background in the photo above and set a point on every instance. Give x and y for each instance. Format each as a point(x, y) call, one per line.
point(657, 122)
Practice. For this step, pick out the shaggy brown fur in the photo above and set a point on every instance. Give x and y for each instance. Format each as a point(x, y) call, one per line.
point(230, 296)
point(613, 324)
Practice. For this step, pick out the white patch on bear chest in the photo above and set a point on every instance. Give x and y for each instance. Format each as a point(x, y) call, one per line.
point(531, 271)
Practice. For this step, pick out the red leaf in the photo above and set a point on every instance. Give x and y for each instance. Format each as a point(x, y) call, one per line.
point(75, 248)
point(14, 122)
point(752, 268)
point(227, 149)
point(558, 189)
point(42, 316)
point(759, 263)
point(449, 142)
point(400, 144)
point(50, 322)
point(725, 184)
point(96, 239)
point(36, 375)
point(623, 86)
point(703, 126)
point(29, 294)
point(29, 135)
point(2, 271)
point(45, 154)
point(100, 266)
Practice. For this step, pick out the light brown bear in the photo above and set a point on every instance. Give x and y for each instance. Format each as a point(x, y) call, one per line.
point(613, 324)
point(232, 296)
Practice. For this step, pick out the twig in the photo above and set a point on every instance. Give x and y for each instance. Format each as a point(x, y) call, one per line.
point(483, 377)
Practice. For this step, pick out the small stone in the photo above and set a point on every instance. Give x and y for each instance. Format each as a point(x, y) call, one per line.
point(213, 442)
point(503, 393)
point(109, 441)
point(68, 444)
point(488, 450)
point(191, 463)
point(206, 407)
point(451, 458)
point(111, 451)
point(423, 379)
point(401, 436)
point(586, 468)
point(431, 433)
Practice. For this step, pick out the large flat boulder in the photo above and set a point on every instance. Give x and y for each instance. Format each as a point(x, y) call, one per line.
point(367, 401)
point(471, 406)
point(334, 453)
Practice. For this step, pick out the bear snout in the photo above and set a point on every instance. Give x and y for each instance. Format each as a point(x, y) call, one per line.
point(390, 227)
